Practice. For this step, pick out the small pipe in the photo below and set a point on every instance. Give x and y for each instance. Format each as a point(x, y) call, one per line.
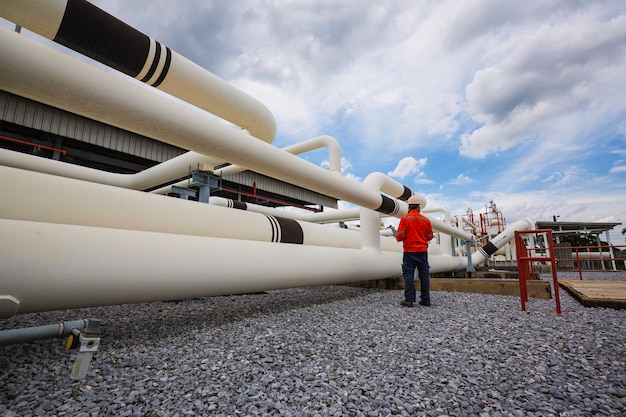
point(334, 157)
point(30, 334)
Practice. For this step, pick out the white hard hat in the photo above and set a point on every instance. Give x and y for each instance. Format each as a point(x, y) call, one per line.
point(414, 200)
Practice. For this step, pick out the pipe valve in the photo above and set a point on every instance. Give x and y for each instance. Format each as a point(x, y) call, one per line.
point(87, 343)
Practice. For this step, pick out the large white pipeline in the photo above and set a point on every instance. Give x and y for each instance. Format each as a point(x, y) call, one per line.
point(50, 266)
point(47, 266)
point(330, 216)
point(68, 243)
point(83, 27)
point(70, 201)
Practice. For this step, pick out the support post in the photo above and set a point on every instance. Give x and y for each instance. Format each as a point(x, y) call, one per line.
point(468, 248)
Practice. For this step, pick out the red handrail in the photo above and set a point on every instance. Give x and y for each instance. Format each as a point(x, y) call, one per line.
point(34, 145)
point(589, 249)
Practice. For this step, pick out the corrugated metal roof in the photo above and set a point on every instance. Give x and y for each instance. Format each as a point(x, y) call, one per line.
point(35, 115)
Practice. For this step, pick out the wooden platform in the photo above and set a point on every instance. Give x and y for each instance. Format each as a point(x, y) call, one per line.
point(592, 293)
point(536, 288)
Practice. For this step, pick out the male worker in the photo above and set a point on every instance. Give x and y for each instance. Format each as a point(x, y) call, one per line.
point(415, 231)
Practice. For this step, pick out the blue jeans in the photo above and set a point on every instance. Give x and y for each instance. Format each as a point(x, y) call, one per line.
point(411, 261)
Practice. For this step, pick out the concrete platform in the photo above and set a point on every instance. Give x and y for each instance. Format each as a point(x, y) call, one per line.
point(594, 293)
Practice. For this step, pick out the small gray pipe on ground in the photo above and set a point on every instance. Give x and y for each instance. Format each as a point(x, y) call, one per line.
point(30, 334)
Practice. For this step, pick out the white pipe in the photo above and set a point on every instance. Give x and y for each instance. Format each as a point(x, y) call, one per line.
point(499, 241)
point(381, 182)
point(47, 266)
point(440, 226)
point(469, 223)
point(69, 201)
point(334, 156)
point(150, 266)
point(179, 76)
point(334, 153)
point(166, 171)
point(40, 73)
point(330, 216)
point(446, 239)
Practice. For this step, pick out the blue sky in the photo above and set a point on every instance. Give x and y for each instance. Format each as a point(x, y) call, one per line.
point(523, 103)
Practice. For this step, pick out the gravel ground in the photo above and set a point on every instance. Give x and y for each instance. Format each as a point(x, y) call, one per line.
point(329, 351)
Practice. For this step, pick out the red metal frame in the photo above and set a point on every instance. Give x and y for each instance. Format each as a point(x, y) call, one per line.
point(491, 219)
point(525, 260)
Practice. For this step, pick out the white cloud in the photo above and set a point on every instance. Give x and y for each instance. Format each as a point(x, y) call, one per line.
point(618, 169)
point(408, 166)
point(460, 180)
point(421, 179)
point(553, 83)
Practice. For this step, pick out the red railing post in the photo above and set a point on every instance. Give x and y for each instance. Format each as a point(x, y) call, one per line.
point(580, 269)
point(555, 281)
point(522, 268)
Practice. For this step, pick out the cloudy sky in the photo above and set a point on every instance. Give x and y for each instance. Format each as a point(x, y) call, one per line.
point(519, 102)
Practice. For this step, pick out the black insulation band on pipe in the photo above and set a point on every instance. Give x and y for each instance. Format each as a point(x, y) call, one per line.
point(155, 62)
point(406, 194)
point(290, 231)
point(239, 205)
point(166, 67)
point(387, 206)
point(100, 36)
point(489, 249)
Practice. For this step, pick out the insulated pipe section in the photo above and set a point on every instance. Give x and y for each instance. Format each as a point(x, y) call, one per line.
point(43, 74)
point(446, 240)
point(115, 266)
point(30, 334)
point(499, 241)
point(145, 262)
point(81, 26)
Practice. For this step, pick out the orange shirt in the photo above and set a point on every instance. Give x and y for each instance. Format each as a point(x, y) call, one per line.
point(414, 231)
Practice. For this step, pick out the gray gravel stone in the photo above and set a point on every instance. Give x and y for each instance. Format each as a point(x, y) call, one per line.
point(329, 351)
